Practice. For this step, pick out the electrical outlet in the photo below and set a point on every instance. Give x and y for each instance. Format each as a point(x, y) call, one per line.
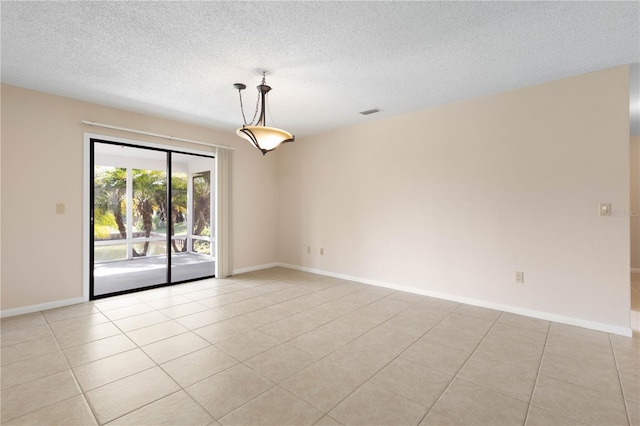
point(308, 250)
point(321, 252)
point(605, 209)
point(519, 277)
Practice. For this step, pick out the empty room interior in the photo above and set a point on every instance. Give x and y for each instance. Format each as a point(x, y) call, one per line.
point(331, 213)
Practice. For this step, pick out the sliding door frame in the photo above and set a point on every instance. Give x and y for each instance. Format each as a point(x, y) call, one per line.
point(88, 204)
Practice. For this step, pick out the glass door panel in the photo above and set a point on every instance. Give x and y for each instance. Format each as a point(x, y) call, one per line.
point(129, 227)
point(191, 217)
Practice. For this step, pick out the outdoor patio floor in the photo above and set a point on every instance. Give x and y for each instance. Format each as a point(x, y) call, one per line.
point(111, 277)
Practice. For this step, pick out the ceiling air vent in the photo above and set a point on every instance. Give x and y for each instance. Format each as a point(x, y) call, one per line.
point(370, 111)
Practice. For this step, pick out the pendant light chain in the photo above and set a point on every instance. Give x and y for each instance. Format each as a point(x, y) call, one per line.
point(255, 114)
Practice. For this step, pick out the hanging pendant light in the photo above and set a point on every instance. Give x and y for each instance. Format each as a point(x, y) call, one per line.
point(262, 137)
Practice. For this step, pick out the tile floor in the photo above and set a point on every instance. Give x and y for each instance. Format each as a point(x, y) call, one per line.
point(286, 347)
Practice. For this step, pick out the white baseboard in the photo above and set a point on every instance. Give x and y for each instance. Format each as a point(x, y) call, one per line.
point(255, 268)
point(607, 328)
point(623, 331)
point(41, 307)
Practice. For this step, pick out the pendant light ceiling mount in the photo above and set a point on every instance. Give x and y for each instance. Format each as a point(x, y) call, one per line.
point(259, 134)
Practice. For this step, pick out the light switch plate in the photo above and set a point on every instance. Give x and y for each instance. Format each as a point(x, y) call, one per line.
point(605, 209)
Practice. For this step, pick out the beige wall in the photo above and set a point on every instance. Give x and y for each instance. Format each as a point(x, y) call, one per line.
point(42, 163)
point(455, 199)
point(635, 202)
point(450, 200)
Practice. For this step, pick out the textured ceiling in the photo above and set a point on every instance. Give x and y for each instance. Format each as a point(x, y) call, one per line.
point(328, 60)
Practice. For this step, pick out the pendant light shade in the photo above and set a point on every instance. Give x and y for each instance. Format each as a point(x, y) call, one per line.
point(261, 136)
point(265, 138)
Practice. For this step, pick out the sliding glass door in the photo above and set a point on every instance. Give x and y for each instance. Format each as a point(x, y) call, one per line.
point(149, 230)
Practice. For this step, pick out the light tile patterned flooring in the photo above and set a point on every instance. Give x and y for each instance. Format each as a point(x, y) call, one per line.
point(286, 347)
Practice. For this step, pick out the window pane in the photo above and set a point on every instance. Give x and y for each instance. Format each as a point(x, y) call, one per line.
point(150, 248)
point(202, 203)
point(178, 245)
point(109, 253)
point(202, 247)
point(110, 209)
point(149, 204)
point(179, 203)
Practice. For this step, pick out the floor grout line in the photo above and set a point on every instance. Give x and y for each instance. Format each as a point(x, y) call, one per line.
point(535, 383)
point(615, 359)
